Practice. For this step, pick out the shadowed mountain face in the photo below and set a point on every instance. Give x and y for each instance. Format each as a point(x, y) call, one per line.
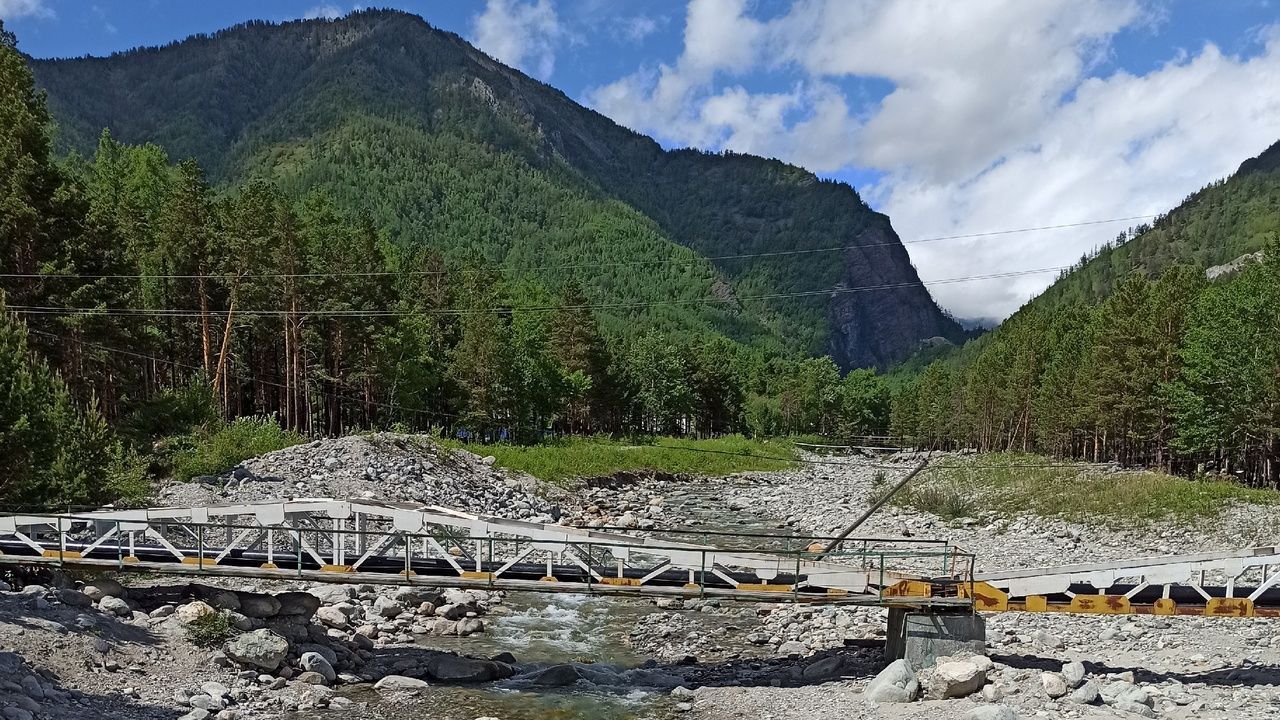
point(444, 146)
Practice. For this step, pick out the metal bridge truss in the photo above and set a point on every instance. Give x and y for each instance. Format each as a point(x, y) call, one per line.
point(363, 541)
point(1233, 583)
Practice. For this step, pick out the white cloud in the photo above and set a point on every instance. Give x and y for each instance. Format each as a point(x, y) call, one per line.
point(14, 9)
point(329, 11)
point(520, 34)
point(1124, 145)
point(635, 29)
point(993, 119)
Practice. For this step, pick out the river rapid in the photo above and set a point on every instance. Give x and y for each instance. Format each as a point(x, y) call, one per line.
point(589, 631)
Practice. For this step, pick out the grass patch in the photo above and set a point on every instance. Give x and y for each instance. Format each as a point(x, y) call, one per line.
point(1001, 483)
point(209, 630)
point(570, 458)
point(211, 451)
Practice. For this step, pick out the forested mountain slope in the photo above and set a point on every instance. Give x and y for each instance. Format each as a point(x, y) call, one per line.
point(1134, 356)
point(450, 149)
point(1215, 225)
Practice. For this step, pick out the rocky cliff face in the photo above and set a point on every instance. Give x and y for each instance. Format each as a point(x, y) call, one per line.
point(878, 327)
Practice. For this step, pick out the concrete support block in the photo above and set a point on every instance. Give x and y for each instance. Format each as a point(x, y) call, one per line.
point(922, 637)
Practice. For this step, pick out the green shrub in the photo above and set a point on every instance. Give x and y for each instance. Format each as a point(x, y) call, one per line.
point(210, 452)
point(209, 630)
point(172, 412)
point(945, 498)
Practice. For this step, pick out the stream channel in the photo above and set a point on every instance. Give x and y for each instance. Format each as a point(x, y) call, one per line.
point(586, 630)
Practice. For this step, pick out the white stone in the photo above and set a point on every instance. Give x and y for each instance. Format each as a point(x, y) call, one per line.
point(1053, 684)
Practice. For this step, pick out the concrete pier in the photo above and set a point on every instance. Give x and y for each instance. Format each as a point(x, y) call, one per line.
point(922, 637)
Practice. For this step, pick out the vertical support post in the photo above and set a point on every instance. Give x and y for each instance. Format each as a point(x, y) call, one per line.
point(881, 584)
point(271, 546)
point(119, 548)
point(479, 552)
point(62, 543)
point(795, 580)
point(200, 547)
point(408, 554)
point(702, 579)
point(337, 541)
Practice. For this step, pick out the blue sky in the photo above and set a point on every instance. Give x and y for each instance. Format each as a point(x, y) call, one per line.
point(953, 117)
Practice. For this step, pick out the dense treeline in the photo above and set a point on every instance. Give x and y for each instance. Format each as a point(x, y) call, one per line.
point(301, 311)
point(164, 303)
point(1132, 356)
point(1173, 372)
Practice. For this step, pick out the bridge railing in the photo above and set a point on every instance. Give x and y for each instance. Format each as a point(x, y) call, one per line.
point(740, 563)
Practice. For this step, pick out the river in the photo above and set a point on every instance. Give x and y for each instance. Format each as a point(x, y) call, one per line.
point(554, 628)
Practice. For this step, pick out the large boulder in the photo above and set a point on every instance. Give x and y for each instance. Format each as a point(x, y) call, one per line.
point(333, 617)
point(298, 603)
point(115, 606)
point(1053, 684)
point(317, 663)
point(387, 607)
point(953, 679)
point(218, 597)
point(102, 587)
point(1073, 673)
point(827, 668)
point(413, 597)
point(897, 683)
point(194, 611)
point(557, 676)
point(454, 668)
point(400, 684)
point(1086, 694)
point(329, 594)
point(74, 598)
point(261, 649)
point(256, 605)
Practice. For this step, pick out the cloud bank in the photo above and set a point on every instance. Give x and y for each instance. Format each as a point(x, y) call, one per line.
point(995, 116)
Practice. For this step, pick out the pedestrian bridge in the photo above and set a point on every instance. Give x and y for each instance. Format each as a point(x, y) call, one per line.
point(365, 541)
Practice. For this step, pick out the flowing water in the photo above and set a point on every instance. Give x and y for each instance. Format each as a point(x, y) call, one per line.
point(555, 628)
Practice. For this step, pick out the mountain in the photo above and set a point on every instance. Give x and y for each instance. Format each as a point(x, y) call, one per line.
point(1159, 351)
point(1215, 226)
point(446, 147)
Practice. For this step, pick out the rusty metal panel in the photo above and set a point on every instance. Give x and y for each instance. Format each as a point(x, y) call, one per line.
point(1100, 605)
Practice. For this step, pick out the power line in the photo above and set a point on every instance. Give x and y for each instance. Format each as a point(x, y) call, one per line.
point(570, 266)
point(242, 376)
point(183, 313)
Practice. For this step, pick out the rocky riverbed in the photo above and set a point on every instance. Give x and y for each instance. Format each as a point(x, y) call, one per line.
point(75, 647)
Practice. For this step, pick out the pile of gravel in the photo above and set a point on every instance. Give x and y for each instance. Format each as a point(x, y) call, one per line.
point(382, 466)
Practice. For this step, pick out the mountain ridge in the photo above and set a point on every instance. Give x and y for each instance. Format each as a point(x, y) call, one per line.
point(253, 99)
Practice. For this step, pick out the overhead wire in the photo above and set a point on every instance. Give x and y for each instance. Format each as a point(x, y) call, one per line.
point(569, 266)
point(680, 448)
point(180, 312)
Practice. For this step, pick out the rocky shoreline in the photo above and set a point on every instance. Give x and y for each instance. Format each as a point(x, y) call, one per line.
point(83, 646)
